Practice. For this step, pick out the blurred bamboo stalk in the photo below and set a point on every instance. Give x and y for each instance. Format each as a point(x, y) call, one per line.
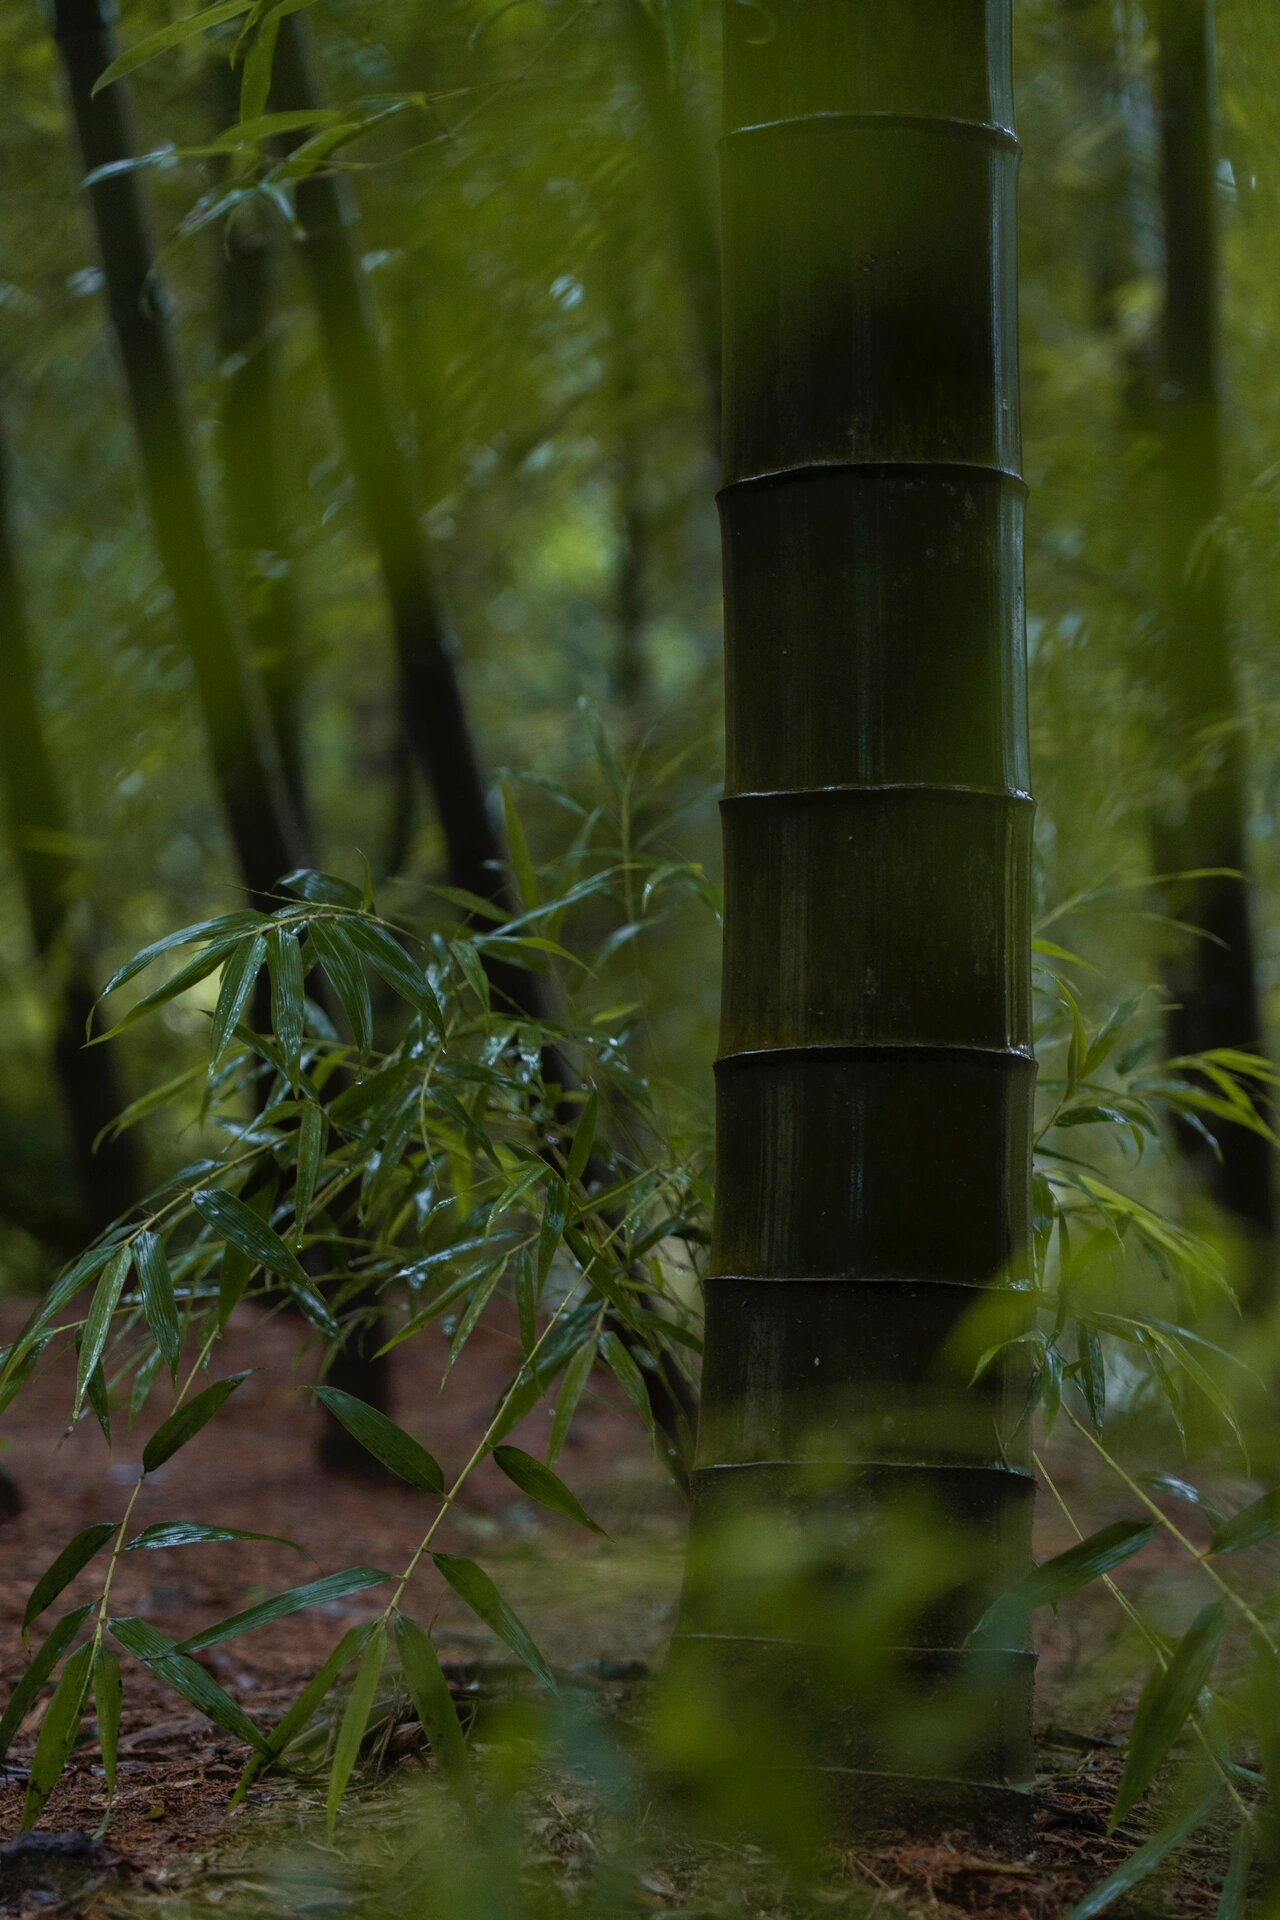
point(434, 713)
point(680, 158)
point(1216, 985)
point(246, 762)
point(109, 1179)
point(251, 485)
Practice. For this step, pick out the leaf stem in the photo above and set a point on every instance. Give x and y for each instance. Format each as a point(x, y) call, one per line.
point(1202, 1559)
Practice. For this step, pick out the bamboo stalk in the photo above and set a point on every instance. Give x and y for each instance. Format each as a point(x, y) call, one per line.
point(108, 1180)
point(244, 756)
point(251, 487)
point(686, 189)
point(434, 713)
point(1215, 987)
point(874, 1088)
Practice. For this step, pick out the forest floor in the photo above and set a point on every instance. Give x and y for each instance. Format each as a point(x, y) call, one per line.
point(172, 1848)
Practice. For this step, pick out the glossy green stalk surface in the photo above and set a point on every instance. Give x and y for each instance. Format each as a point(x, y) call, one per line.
point(874, 1088)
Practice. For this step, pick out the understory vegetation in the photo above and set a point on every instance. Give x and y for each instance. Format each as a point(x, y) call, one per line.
point(370, 1167)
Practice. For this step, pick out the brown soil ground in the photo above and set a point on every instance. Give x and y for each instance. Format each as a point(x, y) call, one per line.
point(587, 1600)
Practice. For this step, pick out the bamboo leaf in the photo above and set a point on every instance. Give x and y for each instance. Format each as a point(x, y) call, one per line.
point(473, 1585)
point(189, 975)
point(400, 971)
point(231, 1216)
point(58, 1730)
point(40, 1666)
point(316, 1593)
point(174, 35)
point(518, 847)
point(287, 1729)
point(239, 973)
point(185, 1422)
point(184, 1676)
point(255, 80)
point(555, 1214)
point(228, 924)
point(1054, 1579)
point(1167, 1699)
point(159, 1303)
point(1233, 1903)
point(1093, 1375)
point(288, 996)
point(106, 1299)
point(541, 1484)
point(1250, 1527)
point(75, 1556)
point(526, 1302)
point(388, 1443)
point(1145, 1861)
point(341, 961)
point(96, 1394)
point(312, 1128)
point(584, 1139)
point(577, 1373)
point(188, 1533)
point(433, 1702)
point(107, 1693)
point(354, 1721)
point(629, 1378)
point(61, 1293)
point(324, 889)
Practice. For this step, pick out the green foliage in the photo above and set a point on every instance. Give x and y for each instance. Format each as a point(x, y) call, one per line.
point(393, 1142)
point(426, 1163)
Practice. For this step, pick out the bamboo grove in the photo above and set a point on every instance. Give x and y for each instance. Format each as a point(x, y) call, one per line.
point(467, 908)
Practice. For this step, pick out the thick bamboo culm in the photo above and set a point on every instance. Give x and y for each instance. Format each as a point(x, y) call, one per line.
point(874, 1090)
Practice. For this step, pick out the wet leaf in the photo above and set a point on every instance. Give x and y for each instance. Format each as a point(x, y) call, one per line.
point(312, 1129)
point(584, 1139)
point(58, 1730)
point(107, 1700)
point(1250, 1527)
point(577, 1373)
point(1145, 1861)
point(474, 1586)
point(1168, 1698)
point(354, 1721)
point(41, 1665)
point(93, 1339)
point(75, 1556)
point(340, 959)
point(400, 971)
point(288, 996)
point(433, 1702)
point(159, 1303)
point(185, 1423)
point(239, 973)
point(287, 1729)
point(173, 35)
point(555, 1213)
point(184, 1676)
point(541, 1484)
point(316, 1593)
point(388, 1443)
point(1054, 1579)
point(188, 1533)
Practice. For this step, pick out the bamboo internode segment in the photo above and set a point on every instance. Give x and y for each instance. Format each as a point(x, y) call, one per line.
point(875, 1085)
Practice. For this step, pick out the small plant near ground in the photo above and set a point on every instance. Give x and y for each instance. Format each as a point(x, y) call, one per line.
point(399, 1148)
